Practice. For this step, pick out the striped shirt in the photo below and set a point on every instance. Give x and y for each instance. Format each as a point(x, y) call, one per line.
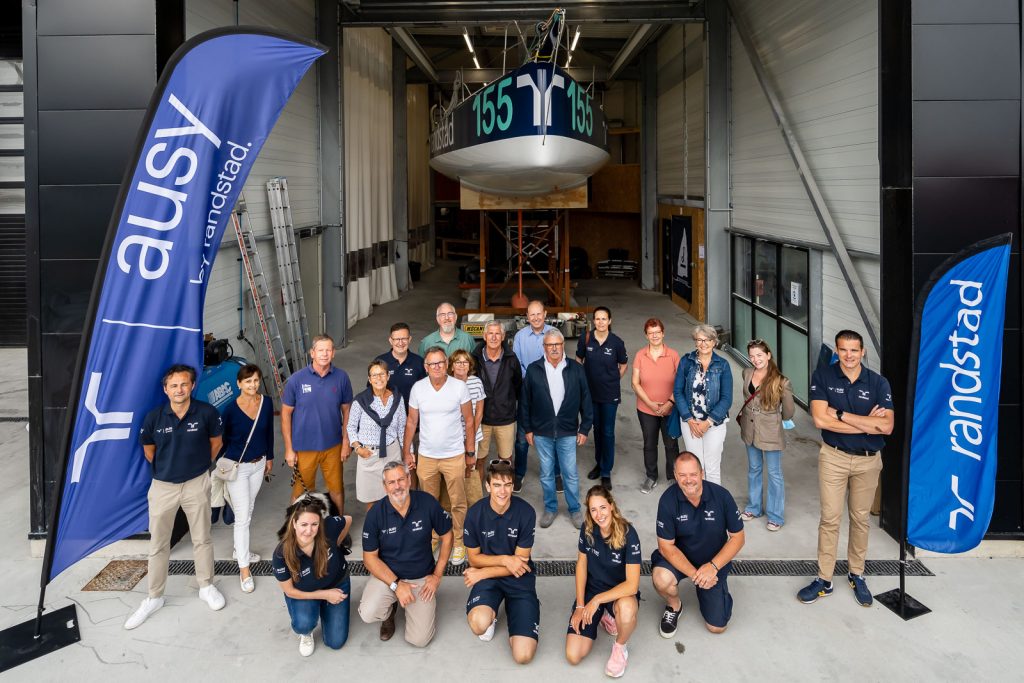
point(476, 393)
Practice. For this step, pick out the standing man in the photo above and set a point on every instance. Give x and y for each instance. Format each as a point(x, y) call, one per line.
point(500, 531)
point(316, 402)
point(554, 410)
point(180, 439)
point(405, 368)
point(441, 405)
point(502, 378)
point(604, 358)
point(852, 406)
point(699, 532)
point(528, 346)
point(396, 552)
point(447, 337)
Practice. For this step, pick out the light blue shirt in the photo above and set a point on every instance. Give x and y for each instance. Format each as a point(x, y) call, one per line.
point(529, 346)
point(556, 384)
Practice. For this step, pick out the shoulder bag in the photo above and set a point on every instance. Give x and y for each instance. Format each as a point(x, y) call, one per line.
point(226, 468)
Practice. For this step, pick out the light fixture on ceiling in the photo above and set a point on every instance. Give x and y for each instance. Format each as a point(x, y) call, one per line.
point(575, 39)
point(476, 62)
point(469, 43)
point(568, 61)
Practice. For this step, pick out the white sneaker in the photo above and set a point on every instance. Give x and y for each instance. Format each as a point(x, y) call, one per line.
point(458, 556)
point(248, 583)
point(212, 597)
point(487, 635)
point(253, 557)
point(306, 645)
point(148, 606)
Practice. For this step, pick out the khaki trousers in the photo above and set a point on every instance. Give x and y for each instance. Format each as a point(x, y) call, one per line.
point(192, 496)
point(420, 616)
point(505, 435)
point(851, 479)
point(453, 471)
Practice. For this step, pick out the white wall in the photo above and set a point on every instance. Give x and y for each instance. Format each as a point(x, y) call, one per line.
point(680, 133)
point(291, 150)
point(822, 60)
point(417, 110)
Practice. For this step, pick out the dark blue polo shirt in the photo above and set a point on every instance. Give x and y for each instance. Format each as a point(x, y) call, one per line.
point(403, 544)
point(501, 534)
point(403, 375)
point(606, 566)
point(601, 362)
point(316, 422)
point(829, 384)
point(182, 446)
point(337, 565)
point(699, 532)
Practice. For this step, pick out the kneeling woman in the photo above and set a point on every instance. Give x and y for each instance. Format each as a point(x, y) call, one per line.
point(607, 582)
point(313, 573)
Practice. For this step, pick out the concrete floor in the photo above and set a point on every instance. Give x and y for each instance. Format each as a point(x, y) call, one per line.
point(974, 630)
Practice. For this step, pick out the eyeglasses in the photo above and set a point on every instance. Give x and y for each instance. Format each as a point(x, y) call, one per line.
point(401, 340)
point(554, 346)
point(438, 364)
point(446, 315)
point(378, 375)
point(756, 342)
point(703, 341)
point(460, 362)
point(500, 462)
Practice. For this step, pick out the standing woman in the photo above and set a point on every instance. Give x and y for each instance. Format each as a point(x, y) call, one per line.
point(376, 429)
point(248, 440)
point(703, 394)
point(654, 378)
point(604, 359)
point(462, 366)
point(768, 401)
point(311, 569)
point(607, 582)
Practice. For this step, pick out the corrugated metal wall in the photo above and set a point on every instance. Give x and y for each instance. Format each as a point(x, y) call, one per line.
point(822, 60)
point(681, 112)
point(292, 151)
point(13, 304)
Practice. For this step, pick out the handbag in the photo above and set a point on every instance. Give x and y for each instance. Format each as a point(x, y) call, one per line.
point(745, 403)
point(226, 468)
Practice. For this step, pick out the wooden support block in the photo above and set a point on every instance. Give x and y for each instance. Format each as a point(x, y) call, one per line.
point(575, 198)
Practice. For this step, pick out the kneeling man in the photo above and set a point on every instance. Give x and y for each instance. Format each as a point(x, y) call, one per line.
point(499, 534)
point(396, 552)
point(699, 532)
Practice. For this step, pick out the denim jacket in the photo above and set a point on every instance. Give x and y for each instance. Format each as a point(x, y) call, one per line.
point(719, 387)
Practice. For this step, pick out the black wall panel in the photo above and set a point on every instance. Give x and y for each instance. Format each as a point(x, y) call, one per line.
point(965, 163)
point(90, 69)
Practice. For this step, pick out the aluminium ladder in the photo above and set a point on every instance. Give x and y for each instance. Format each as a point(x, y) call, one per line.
point(288, 266)
point(252, 264)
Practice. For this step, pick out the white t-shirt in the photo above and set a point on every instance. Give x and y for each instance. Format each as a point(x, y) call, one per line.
point(442, 434)
point(476, 394)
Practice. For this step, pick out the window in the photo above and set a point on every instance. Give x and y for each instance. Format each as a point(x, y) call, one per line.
point(769, 302)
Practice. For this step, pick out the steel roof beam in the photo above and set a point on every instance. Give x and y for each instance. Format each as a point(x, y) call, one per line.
point(468, 13)
point(415, 52)
point(634, 44)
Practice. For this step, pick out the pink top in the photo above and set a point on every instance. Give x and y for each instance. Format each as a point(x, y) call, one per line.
point(657, 376)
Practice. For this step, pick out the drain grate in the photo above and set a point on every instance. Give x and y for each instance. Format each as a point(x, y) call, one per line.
point(119, 575)
point(551, 568)
point(7, 418)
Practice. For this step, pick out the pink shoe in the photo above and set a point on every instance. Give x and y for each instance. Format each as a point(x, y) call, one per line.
point(616, 665)
point(608, 622)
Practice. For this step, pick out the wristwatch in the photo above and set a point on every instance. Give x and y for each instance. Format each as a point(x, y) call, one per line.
point(839, 415)
point(393, 586)
point(470, 454)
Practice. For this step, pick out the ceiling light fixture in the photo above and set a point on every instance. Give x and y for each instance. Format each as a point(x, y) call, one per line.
point(568, 61)
point(476, 62)
point(469, 43)
point(575, 39)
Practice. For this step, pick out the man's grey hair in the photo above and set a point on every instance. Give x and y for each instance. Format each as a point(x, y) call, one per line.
point(494, 323)
point(706, 331)
point(393, 465)
point(553, 332)
point(442, 305)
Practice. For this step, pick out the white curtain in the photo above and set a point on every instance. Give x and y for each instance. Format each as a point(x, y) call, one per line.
point(369, 158)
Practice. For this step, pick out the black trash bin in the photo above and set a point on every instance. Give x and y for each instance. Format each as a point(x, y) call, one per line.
point(414, 270)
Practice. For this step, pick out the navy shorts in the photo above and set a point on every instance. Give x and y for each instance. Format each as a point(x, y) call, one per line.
point(522, 608)
point(590, 630)
point(715, 602)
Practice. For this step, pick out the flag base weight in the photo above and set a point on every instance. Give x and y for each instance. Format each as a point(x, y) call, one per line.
point(911, 607)
point(19, 645)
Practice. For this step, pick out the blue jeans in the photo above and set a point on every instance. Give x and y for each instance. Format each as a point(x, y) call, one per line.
point(604, 436)
point(522, 449)
point(560, 452)
point(776, 504)
point(333, 618)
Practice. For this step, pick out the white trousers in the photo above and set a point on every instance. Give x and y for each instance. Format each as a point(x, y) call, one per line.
point(243, 492)
point(708, 450)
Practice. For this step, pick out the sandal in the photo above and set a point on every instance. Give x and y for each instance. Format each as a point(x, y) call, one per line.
point(748, 517)
point(772, 526)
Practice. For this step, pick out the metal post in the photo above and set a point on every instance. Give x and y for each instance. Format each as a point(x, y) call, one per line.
point(483, 260)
